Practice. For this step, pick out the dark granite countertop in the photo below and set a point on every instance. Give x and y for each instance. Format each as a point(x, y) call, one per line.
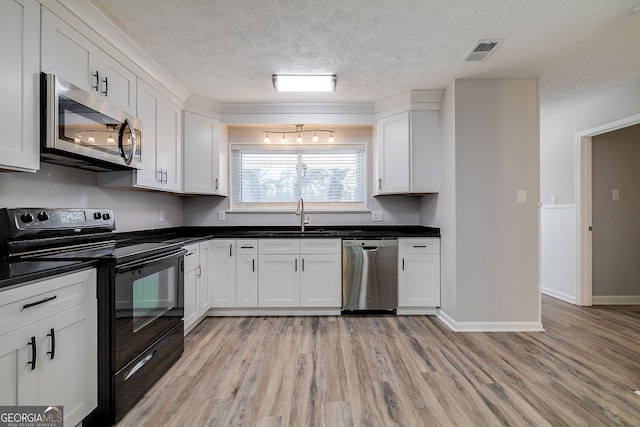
point(16, 273)
point(187, 234)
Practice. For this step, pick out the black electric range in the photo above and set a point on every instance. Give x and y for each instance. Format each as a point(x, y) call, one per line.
point(140, 294)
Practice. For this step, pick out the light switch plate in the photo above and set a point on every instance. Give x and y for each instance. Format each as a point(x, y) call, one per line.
point(221, 215)
point(376, 216)
point(615, 194)
point(522, 196)
point(161, 215)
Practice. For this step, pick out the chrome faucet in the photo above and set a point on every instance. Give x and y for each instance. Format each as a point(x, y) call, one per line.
point(300, 211)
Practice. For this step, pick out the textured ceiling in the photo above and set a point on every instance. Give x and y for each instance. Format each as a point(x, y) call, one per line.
point(227, 50)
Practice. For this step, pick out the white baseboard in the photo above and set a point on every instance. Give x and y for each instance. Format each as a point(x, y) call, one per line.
point(615, 300)
point(489, 326)
point(560, 295)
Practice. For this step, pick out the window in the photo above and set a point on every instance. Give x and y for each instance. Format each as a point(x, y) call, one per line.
point(275, 177)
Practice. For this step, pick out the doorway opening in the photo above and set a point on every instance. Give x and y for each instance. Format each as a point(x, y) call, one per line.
point(584, 203)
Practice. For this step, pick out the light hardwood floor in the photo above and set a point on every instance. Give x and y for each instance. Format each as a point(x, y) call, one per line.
point(395, 370)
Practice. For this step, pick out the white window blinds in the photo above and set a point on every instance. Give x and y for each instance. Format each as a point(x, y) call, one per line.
point(274, 178)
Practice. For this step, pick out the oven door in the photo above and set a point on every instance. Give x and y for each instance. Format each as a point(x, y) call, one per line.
point(149, 301)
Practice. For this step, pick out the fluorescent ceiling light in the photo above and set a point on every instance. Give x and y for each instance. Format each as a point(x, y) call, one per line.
point(293, 83)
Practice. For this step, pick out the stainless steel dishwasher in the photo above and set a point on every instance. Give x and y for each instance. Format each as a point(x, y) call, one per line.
point(370, 274)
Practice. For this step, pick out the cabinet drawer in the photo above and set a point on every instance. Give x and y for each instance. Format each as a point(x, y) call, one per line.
point(278, 246)
point(320, 246)
point(247, 247)
point(34, 301)
point(419, 246)
point(192, 257)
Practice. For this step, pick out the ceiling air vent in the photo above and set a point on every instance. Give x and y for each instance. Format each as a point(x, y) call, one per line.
point(482, 50)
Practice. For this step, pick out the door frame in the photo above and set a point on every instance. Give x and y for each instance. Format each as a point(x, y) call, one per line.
point(584, 204)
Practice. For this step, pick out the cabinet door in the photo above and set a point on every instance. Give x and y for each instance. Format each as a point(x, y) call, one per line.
point(393, 154)
point(321, 280)
point(19, 97)
point(117, 84)
point(247, 280)
point(223, 268)
point(19, 385)
point(169, 143)
point(147, 109)
point(419, 280)
point(201, 154)
point(68, 361)
point(278, 281)
point(204, 297)
point(68, 54)
point(191, 263)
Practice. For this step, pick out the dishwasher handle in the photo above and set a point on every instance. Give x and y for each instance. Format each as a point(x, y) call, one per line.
point(370, 248)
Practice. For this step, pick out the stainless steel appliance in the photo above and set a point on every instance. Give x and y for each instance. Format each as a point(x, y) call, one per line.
point(140, 295)
point(83, 130)
point(370, 275)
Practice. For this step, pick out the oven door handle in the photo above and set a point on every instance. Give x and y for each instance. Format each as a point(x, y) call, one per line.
point(146, 261)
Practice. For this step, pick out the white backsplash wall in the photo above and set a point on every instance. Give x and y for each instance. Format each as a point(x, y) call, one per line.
point(396, 210)
point(66, 187)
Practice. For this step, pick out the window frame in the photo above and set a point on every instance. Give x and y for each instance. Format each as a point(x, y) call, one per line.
point(310, 206)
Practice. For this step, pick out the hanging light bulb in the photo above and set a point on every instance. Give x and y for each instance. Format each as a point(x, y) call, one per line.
point(283, 140)
point(266, 139)
point(299, 138)
point(110, 140)
point(91, 139)
point(331, 138)
point(76, 140)
point(315, 137)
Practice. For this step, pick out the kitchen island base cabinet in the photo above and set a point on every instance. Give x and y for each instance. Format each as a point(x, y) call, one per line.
point(418, 275)
point(48, 351)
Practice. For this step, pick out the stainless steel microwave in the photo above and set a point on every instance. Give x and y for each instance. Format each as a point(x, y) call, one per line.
point(82, 130)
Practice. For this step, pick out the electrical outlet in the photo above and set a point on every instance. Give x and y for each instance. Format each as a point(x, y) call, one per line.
point(554, 200)
point(376, 216)
point(615, 194)
point(161, 215)
point(221, 215)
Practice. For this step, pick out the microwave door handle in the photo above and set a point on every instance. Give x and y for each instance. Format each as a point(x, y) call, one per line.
point(128, 157)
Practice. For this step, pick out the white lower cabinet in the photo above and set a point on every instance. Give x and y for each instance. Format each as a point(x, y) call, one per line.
point(418, 275)
point(223, 272)
point(299, 273)
point(247, 273)
point(197, 292)
point(48, 345)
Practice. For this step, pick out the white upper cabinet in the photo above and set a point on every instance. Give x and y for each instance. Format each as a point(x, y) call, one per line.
point(408, 144)
point(75, 58)
point(393, 154)
point(19, 97)
point(205, 155)
point(161, 146)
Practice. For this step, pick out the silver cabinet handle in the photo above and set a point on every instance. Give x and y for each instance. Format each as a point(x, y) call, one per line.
point(296, 265)
point(231, 249)
point(402, 264)
point(216, 183)
point(106, 87)
point(97, 85)
point(380, 183)
point(199, 271)
point(302, 264)
point(165, 173)
point(253, 264)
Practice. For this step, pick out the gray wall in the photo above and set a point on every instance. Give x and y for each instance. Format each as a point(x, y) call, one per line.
point(203, 211)
point(616, 229)
point(490, 242)
point(62, 186)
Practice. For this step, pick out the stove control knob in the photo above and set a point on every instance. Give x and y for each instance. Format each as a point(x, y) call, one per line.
point(26, 218)
point(97, 215)
point(106, 216)
point(43, 216)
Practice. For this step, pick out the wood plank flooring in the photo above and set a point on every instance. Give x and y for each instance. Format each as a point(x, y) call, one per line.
point(403, 370)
